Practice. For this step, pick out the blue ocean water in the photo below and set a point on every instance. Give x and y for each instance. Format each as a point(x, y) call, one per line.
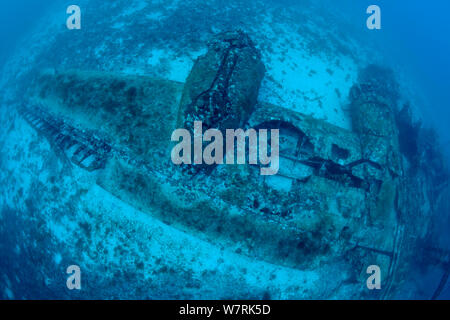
point(18, 19)
point(414, 38)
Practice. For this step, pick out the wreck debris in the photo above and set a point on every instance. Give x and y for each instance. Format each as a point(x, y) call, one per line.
point(373, 101)
point(327, 159)
point(82, 148)
point(223, 85)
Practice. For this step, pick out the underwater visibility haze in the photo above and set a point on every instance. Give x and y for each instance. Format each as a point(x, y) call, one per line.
point(113, 188)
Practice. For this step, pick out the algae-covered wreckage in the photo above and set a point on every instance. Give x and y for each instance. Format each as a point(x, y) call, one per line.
point(340, 197)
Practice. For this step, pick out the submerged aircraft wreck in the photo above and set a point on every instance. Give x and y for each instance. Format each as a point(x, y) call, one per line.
point(340, 197)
